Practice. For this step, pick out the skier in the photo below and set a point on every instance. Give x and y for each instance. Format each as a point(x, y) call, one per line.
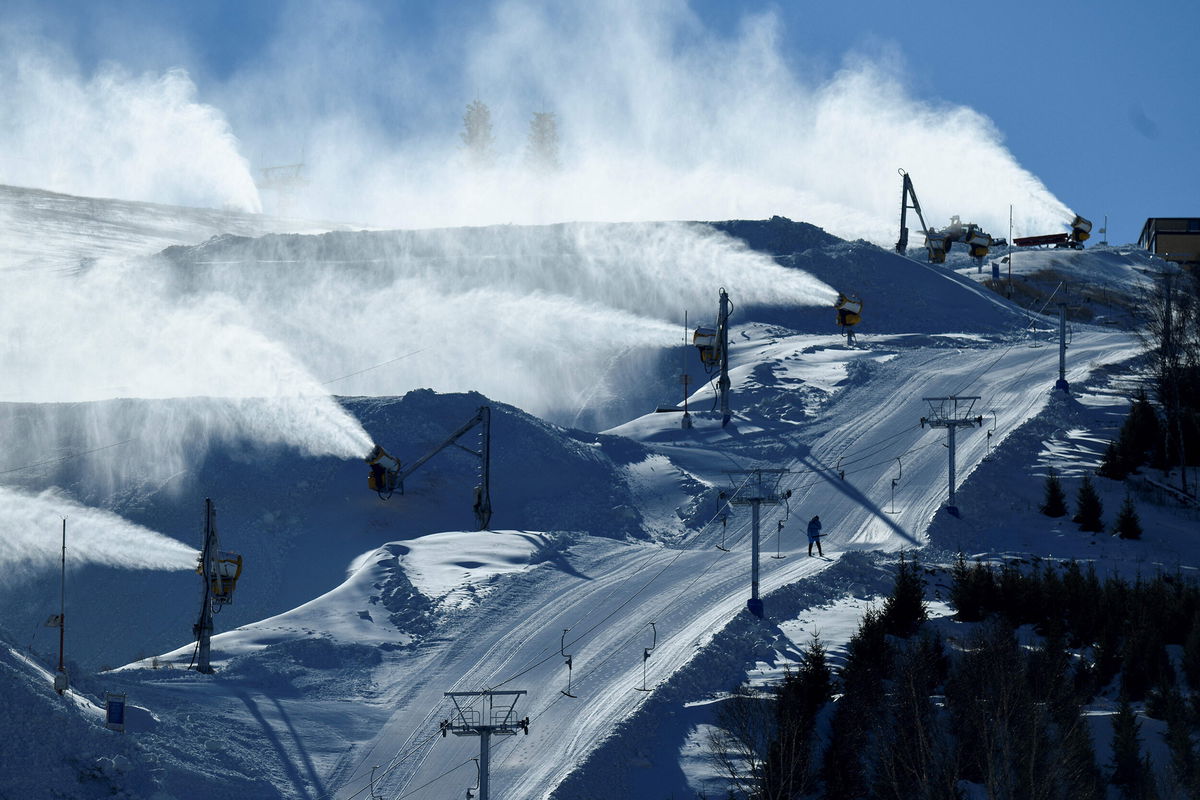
point(814, 535)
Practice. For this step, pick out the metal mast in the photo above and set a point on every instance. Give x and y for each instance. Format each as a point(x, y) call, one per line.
point(907, 192)
point(497, 717)
point(757, 494)
point(1061, 383)
point(946, 412)
point(60, 677)
point(208, 558)
point(723, 333)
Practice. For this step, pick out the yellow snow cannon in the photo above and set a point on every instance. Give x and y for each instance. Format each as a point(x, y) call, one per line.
point(849, 310)
point(385, 471)
point(937, 245)
point(223, 577)
point(705, 340)
point(1081, 229)
point(978, 241)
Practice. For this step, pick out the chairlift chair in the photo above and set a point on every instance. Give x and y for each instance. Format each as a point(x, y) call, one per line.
point(724, 521)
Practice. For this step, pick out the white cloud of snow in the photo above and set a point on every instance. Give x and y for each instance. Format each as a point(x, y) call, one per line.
point(659, 118)
point(112, 133)
point(33, 537)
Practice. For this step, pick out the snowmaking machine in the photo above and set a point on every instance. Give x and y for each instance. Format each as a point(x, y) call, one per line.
point(939, 242)
point(387, 476)
point(713, 345)
point(1081, 231)
point(224, 569)
point(849, 314)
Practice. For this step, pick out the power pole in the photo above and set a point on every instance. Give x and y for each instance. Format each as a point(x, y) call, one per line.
point(757, 494)
point(1062, 350)
point(946, 412)
point(497, 717)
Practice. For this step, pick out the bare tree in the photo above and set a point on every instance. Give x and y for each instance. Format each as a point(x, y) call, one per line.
point(741, 740)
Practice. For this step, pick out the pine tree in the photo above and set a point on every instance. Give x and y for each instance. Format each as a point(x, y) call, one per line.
point(904, 610)
point(1113, 465)
point(1088, 508)
point(1191, 654)
point(477, 135)
point(1056, 500)
point(1131, 771)
point(788, 769)
point(1127, 525)
point(1185, 766)
point(1140, 434)
point(541, 150)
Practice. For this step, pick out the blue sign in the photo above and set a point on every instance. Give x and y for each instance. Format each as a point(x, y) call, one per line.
point(114, 711)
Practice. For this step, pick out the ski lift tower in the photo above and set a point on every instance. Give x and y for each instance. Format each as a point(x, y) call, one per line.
point(496, 716)
point(755, 491)
point(1061, 384)
point(951, 413)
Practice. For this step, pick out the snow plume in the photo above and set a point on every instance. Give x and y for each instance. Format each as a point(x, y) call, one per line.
point(658, 118)
point(550, 318)
point(33, 537)
point(114, 134)
point(131, 330)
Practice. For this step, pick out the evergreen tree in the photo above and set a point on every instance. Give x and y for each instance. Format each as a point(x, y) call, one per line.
point(477, 135)
point(1131, 770)
point(1113, 465)
point(1088, 508)
point(541, 149)
point(920, 763)
point(1127, 524)
point(788, 769)
point(904, 610)
point(1141, 434)
point(971, 591)
point(1191, 654)
point(1055, 504)
point(1185, 766)
point(869, 656)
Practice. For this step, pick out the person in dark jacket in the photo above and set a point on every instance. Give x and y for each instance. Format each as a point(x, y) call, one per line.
point(814, 535)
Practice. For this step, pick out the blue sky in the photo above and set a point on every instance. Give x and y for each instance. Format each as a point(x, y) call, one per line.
point(1098, 100)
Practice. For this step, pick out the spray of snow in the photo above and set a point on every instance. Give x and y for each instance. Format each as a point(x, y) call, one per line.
point(33, 537)
point(658, 118)
point(541, 317)
point(112, 133)
point(129, 330)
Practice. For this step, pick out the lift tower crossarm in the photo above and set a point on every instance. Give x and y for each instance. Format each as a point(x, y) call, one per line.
point(497, 717)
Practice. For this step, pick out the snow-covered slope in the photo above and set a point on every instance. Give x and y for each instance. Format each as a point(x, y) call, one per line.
point(355, 615)
point(42, 230)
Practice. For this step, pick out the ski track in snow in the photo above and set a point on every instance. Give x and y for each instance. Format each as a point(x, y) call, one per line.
point(608, 661)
